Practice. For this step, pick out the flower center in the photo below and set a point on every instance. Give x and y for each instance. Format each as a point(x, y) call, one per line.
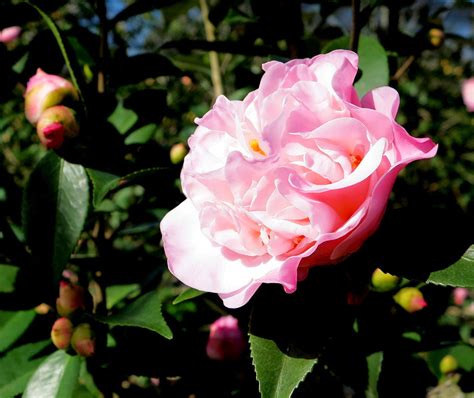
point(255, 146)
point(355, 161)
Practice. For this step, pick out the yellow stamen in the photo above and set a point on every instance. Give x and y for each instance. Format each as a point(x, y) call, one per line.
point(255, 146)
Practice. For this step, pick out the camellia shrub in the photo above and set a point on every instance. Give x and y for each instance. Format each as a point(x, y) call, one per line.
point(236, 199)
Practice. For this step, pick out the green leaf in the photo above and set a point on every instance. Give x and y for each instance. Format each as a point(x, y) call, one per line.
point(117, 293)
point(103, 182)
point(141, 135)
point(57, 377)
point(188, 294)
point(145, 312)
point(374, 365)
point(459, 274)
point(17, 367)
point(14, 326)
point(463, 353)
point(7, 278)
point(57, 35)
point(278, 375)
point(372, 61)
point(54, 209)
point(122, 118)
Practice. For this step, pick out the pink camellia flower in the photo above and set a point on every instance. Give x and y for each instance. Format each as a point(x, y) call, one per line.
point(44, 91)
point(460, 294)
point(468, 94)
point(56, 124)
point(296, 175)
point(226, 341)
point(9, 34)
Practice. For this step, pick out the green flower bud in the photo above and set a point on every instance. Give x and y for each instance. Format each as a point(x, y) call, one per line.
point(55, 125)
point(177, 153)
point(448, 364)
point(83, 340)
point(70, 300)
point(61, 333)
point(384, 282)
point(410, 299)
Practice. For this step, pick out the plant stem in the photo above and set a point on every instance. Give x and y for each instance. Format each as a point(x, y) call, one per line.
point(103, 46)
point(403, 68)
point(213, 58)
point(354, 44)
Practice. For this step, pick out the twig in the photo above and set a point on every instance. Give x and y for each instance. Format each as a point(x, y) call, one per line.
point(354, 44)
point(213, 58)
point(103, 46)
point(403, 68)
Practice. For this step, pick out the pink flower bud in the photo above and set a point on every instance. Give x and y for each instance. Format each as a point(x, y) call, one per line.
point(410, 299)
point(44, 91)
point(61, 333)
point(226, 341)
point(56, 124)
point(83, 340)
point(460, 294)
point(177, 153)
point(71, 298)
point(384, 282)
point(468, 94)
point(9, 34)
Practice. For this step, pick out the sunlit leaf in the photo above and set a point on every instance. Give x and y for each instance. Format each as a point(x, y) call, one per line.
point(145, 312)
point(14, 326)
point(374, 366)
point(188, 294)
point(57, 377)
point(16, 368)
point(278, 374)
point(460, 274)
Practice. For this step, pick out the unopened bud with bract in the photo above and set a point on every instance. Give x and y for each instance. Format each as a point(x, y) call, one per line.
point(55, 125)
point(177, 153)
point(83, 340)
point(384, 282)
point(448, 364)
point(71, 298)
point(61, 333)
point(44, 91)
point(410, 299)
point(226, 341)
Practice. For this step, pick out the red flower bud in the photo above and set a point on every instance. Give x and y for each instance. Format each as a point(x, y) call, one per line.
point(226, 341)
point(44, 91)
point(83, 340)
point(410, 299)
point(56, 124)
point(71, 298)
point(61, 333)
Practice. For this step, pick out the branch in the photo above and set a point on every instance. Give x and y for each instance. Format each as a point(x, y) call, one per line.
point(213, 58)
point(354, 44)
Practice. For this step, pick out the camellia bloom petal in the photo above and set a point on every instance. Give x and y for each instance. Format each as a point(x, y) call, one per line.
point(55, 125)
point(9, 34)
point(44, 91)
point(468, 94)
point(298, 174)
